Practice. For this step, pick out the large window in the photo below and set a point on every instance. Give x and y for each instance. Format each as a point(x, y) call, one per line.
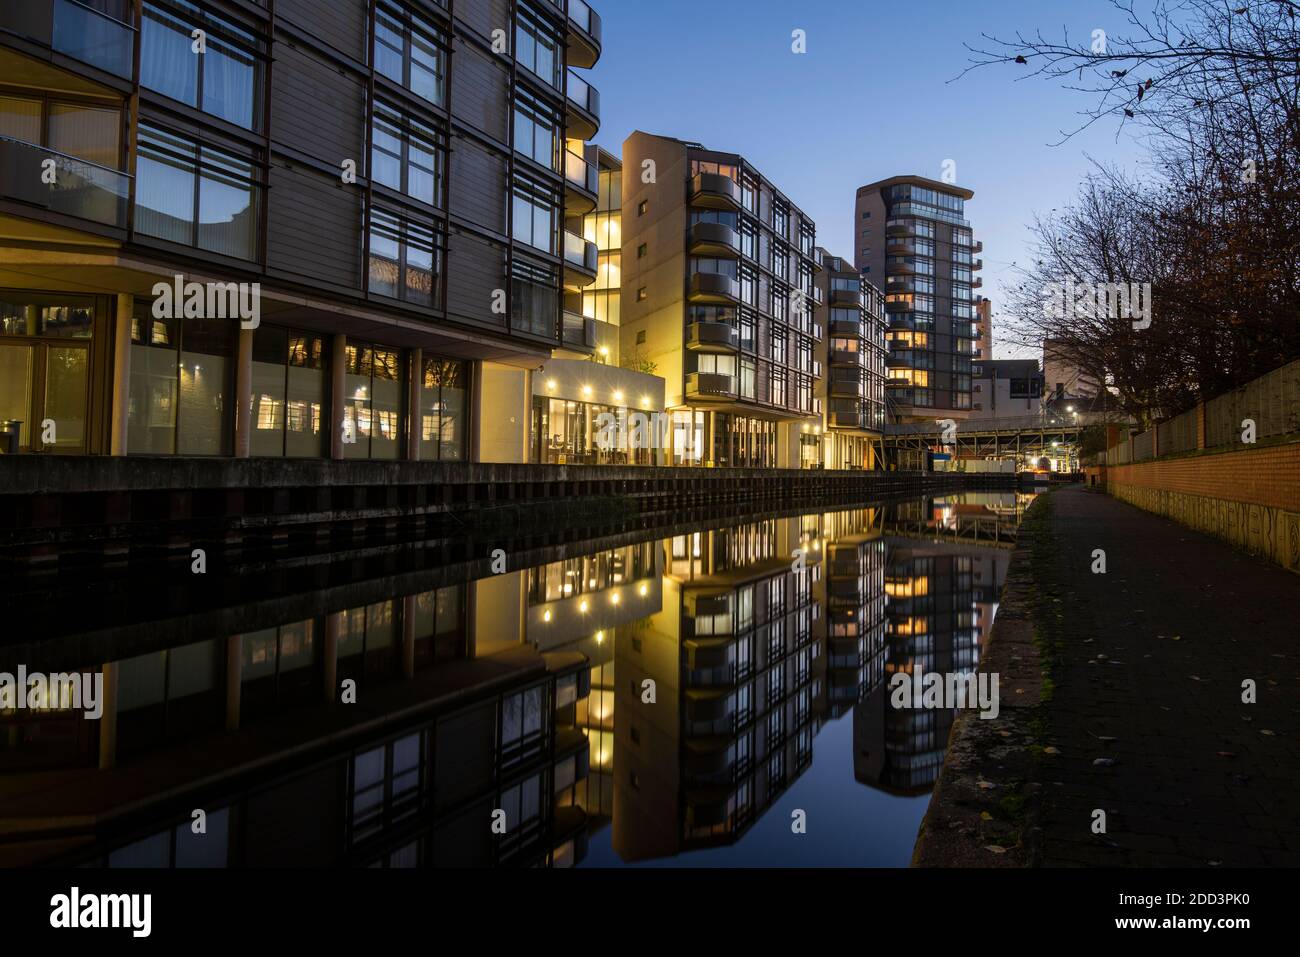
point(372, 411)
point(224, 80)
point(537, 47)
point(45, 367)
point(181, 380)
point(290, 400)
point(534, 298)
point(537, 131)
point(196, 195)
point(535, 214)
point(410, 51)
point(444, 422)
point(407, 155)
point(405, 258)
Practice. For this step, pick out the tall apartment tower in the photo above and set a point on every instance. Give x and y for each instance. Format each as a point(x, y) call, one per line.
point(913, 239)
point(718, 286)
point(406, 181)
point(852, 357)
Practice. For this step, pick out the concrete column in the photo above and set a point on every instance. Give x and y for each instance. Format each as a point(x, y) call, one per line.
point(476, 411)
point(330, 656)
point(338, 382)
point(415, 427)
point(234, 679)
point(108, 720)
point(244, 395)
point(120, 386)
point(408, 636)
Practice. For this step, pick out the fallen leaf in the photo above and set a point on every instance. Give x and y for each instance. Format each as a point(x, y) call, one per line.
point(995, 848)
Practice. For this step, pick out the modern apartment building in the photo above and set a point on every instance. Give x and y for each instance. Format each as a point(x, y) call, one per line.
point(1006, 388)
point(588, 377)
point(852, 358)
point(913, 240)
point(1063, 374)
point(404, 180)
point(718, 283)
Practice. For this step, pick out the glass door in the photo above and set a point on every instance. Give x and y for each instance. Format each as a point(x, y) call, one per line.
point(43, 388)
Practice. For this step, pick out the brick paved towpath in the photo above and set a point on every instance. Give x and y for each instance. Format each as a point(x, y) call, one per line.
point(1131, 703)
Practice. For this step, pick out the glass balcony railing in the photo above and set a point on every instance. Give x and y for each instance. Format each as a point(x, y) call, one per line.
point(75, 30)
point(581, 173)
point(579, 252)
point(586, 18)
point(583, 94)
point(81, 189)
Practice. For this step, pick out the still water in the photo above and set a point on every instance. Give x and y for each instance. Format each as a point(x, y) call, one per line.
point(678, 701)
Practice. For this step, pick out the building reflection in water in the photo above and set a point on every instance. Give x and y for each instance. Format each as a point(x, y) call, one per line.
point(669, 691)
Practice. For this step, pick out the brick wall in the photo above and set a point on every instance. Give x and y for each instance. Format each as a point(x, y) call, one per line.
point(1249, 497)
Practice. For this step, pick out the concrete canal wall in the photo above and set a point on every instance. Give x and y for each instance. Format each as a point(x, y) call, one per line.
point(108, 509)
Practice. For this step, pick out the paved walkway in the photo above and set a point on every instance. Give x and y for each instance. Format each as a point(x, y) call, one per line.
point(1151, 657)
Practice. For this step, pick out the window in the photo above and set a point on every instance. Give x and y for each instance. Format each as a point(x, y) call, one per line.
point(407, 155)
point(225, 80)
point(642, 206)
point(537, 47)
point(641, 251)
point(535, 218)
point(749, 191)
point(373, 389)
point(290, 393)
point(196, 195)
point(537, 131)
point(410, 51)
point(781, 219)
point(534, 298)
point(45, 369)
point(640, 297)
point(444, 411)
point(404, 258)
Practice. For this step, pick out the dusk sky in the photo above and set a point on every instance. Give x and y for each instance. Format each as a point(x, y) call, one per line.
point(871, 98)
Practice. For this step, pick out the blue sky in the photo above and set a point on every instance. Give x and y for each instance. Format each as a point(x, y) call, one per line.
point(871, 98)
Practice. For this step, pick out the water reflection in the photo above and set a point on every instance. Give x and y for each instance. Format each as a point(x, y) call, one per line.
point(653, 702)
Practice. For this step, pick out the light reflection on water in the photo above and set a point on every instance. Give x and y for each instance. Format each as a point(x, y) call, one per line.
point(667, 702)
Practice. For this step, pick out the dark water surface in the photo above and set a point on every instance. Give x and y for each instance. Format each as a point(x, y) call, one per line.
point(681, 700)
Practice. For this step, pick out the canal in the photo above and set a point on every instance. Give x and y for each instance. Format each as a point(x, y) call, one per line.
point(712, 696)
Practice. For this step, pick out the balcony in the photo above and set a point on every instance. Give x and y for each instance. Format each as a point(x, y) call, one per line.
point(578, 332)
point(710, 387)
point(846, 357)
point(584, 35)
point(580, 261)
point(976, 264)
point(900, 268)
point(899, 358)
point(75, 31)
point(900, 305)
point(977, 247)
point(80, 189)
point(707, 705)
point(847, 420)
point(707, 653)
point(977, 283)
point(715, 337)
point(845, 386)
point(900, 228)
point(845, 327)
point(715, 191)
point(900, 247)
point(852, 298)
point(581, 184)
point(713, 239)
point(583, 108)
point(714, 287)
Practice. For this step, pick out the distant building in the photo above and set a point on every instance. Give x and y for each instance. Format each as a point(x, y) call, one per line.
point(984, 323)
point(1007, 387)
point(1063, 376)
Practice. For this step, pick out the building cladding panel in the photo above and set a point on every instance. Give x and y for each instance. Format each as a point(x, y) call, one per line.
point(912, 239)
point(363, 160)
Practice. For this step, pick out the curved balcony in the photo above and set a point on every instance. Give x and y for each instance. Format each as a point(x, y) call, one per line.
point(581, 184)
point(707, 704)
point(901, 228)
point(976, 264)
point(900, 305)
point(851, 298)
point(707, 653)
point(714, 287)
point(898, 358)
point(977, 283)
point(75, 30)
point(710, 387)
point(580, 261)
point(706, 757)
point(842, 327)
point(715, 337)
point(900, 269)
point(715, 191)
point(977, 247)
point(584, 36)
point(578, 332)
point(80, 189)
point(849, 386)
point(900, 248)
point(847, 420)
point(713, 239)
point(846, 357)
point(583, 101)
